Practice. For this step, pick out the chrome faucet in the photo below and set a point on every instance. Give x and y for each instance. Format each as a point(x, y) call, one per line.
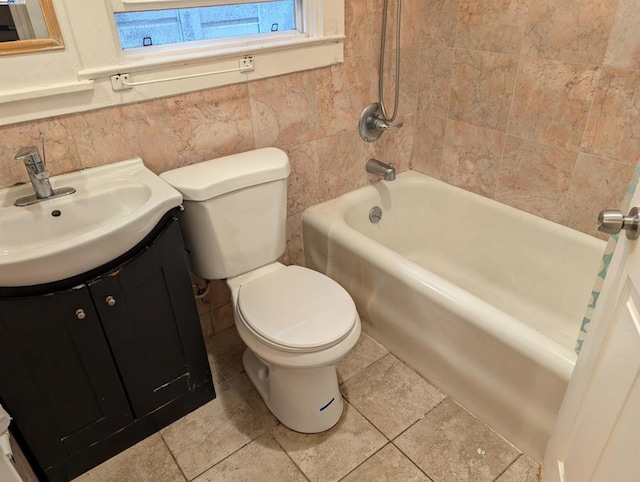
point(37, 171)
point(386, 171)
point(39, 177)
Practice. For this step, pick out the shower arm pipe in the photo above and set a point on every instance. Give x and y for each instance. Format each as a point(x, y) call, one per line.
point(383, 41)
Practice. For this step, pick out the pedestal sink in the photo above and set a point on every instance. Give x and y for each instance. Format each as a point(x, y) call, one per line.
point(113, 209)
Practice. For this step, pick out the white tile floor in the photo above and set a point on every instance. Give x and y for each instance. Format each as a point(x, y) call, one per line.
point(395, 427)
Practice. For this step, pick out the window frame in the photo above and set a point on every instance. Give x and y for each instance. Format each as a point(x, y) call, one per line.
point(314, 13)
point(301, 20)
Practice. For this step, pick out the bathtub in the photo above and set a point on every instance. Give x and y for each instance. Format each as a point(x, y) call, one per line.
point(483, 300)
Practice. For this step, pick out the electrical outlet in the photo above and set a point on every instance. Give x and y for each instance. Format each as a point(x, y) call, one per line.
point(246, 63)
point(118, 80)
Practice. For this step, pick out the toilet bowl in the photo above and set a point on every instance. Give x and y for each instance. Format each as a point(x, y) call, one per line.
point(297, 323)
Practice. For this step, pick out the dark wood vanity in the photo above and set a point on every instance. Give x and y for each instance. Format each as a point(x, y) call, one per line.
point(93, 364)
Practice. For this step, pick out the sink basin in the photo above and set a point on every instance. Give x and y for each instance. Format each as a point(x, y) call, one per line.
point(113, 209)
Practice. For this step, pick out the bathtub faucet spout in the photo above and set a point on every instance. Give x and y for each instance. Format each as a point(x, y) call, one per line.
point(386, 171)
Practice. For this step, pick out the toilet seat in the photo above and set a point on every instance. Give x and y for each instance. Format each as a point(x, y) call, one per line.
point(296, 309)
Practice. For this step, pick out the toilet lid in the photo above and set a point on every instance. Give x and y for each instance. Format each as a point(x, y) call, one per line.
point(297, 308)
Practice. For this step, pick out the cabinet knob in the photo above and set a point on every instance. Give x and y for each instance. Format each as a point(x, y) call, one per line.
point(80, 314)
point(110, 300)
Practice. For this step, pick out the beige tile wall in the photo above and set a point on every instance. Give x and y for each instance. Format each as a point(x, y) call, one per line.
point(535, 103)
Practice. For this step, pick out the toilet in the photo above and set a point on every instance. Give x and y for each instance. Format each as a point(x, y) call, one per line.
point(297, 323)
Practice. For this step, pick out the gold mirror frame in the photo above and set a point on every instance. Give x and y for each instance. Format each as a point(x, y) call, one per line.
point(36, 45)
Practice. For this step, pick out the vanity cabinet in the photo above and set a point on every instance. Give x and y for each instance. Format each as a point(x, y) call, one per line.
point(92, 368)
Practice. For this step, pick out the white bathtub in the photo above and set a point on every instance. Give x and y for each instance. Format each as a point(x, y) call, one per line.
point(482, 299)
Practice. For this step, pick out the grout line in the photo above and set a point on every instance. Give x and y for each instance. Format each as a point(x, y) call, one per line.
point(416, 93)
point(491, 429)
point(370, 422)
point(228, 380)
point(448, 120)
point(453, 62)
point(374, 361)
point(287, 453)
point(565, 205)
point(508, 467)
point(526, 24)
point(506, 130)
point(389, 440)
point(593, 102)
point(268, 431)
point(455, 34)
point(364, 461)
point(251, 113)
point(409, 427)
point(316, 125)
point(367, 419)
point(545, 144)
point(551, 59)
point(365, 368)
point(419, 109)
point(225, 458)
point(412, 462)
point(423, 416)
point(488, 52)
point(173, 456)
point(520, 454)
point(446, 396)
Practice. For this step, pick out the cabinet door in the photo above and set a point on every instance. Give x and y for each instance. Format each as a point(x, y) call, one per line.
point(57, 376)
point(151, 321)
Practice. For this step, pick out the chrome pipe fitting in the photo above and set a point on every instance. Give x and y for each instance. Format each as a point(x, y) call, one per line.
point(386, 171)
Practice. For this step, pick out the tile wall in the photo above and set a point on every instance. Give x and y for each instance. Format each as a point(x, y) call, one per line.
point(535, 103)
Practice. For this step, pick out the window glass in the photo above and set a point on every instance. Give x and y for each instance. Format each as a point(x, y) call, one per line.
point(162, 27)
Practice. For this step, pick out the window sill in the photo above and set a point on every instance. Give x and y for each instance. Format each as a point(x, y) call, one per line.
point(200, 54)
point(48, 91)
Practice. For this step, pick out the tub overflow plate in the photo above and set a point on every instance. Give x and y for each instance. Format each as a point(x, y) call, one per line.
point(375, 215)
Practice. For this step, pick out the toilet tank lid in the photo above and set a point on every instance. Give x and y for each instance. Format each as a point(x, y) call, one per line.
point(208, 179)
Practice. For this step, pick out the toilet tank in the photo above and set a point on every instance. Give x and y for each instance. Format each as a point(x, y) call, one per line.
point(235, 211)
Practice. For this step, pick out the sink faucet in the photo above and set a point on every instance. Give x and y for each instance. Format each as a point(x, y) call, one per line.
point(37, 171)
point(39, 177)
point(386, 171)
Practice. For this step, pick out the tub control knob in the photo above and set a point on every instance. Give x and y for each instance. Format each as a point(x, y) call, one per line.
point(613, 221)
point(80, 314)
point(110, 300)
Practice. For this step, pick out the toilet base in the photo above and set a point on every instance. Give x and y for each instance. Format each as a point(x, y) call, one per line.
point(306, 400)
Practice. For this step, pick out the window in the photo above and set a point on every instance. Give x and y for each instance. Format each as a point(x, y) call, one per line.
point(151, 34)
point(172, 26)
point(301, 35)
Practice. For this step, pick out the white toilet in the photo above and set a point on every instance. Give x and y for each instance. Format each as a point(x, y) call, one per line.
point(296, 323)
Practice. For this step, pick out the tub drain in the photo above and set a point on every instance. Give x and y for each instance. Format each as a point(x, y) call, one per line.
point(375, 215)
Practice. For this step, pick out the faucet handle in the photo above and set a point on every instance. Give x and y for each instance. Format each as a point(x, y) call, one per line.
point(382, 125)
point(29, 155)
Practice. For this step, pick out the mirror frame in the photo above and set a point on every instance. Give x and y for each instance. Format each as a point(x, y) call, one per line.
point(36, 45)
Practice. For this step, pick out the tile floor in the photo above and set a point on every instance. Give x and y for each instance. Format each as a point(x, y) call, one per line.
point(395, 427)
